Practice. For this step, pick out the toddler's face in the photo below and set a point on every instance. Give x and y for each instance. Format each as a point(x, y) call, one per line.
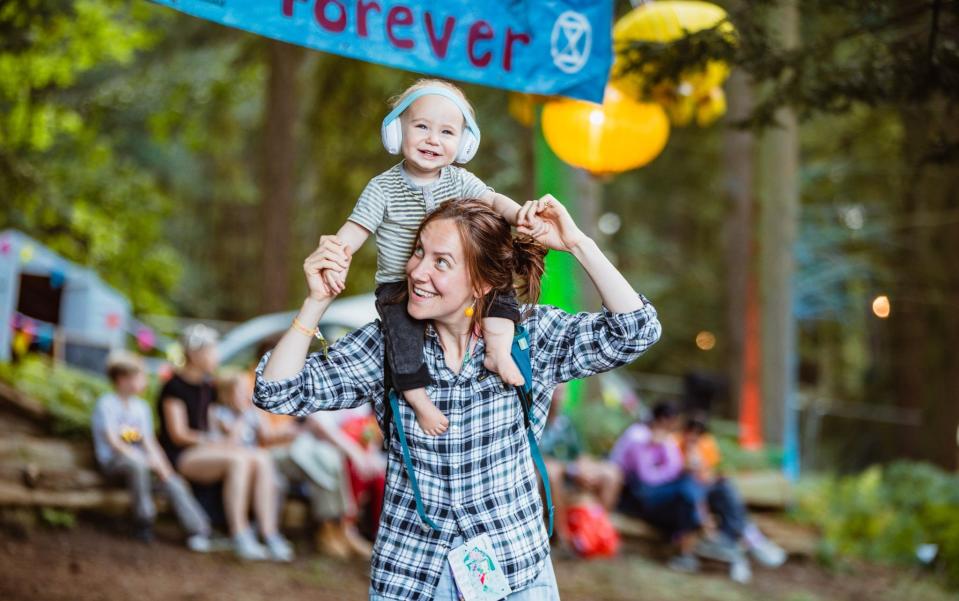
point(432, 129)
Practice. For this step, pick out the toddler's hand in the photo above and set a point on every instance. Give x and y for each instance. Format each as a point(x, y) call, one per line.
point(334, 280)
point(528, 217)
point(330, 257)
point(537, 227)
point(560, 231)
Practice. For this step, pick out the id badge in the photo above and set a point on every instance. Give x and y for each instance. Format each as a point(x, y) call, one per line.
point(477, 571)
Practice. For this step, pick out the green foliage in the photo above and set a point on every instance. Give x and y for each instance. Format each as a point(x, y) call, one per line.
point(599, 425)
point(734, 458)
point(45, 49)
point(58, 518)
point(875, 52)
point(884, 514)
point(63, 178)
point(68, 394)
point(672, 213)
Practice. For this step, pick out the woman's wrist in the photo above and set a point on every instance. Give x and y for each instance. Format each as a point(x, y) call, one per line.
point(583, 246)
point(311, 311)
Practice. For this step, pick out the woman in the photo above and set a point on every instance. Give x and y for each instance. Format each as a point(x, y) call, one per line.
point(477, 478)
point(246, 473)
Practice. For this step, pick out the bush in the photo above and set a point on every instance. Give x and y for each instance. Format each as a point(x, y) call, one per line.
point(69, 394)
point(884, 514)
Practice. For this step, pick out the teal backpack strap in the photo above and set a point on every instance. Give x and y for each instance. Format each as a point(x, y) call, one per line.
point(408, 463)
point(521, 357)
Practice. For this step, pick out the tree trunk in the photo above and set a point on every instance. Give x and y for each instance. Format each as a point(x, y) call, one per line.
point(779, 216)
point(924, 323)
point(279, 174)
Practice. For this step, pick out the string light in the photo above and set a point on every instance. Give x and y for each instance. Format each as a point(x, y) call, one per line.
point(705, 340)
point(881, 307)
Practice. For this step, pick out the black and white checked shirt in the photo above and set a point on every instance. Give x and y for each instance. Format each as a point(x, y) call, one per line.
point(478, 476)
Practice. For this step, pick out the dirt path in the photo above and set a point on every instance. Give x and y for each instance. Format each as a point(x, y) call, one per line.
point(94, 562)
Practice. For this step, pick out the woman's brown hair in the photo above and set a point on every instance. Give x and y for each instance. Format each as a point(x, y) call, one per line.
point(494, 256)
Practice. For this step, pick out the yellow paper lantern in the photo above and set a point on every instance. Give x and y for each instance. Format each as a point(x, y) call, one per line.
point(663, 22)
point(618, 135)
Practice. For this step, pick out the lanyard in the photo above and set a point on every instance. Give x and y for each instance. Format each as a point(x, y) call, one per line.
point(469, 352)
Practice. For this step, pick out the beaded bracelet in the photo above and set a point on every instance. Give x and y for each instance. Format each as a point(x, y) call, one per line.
point(314, 333)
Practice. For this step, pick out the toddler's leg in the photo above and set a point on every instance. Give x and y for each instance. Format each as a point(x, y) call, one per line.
point(404, 351)
point(429, 417)
point(498, 334)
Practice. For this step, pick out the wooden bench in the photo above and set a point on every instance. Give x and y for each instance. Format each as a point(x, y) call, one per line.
point(41, 470)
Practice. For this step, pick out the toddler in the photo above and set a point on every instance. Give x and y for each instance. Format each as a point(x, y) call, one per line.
point(432, 125)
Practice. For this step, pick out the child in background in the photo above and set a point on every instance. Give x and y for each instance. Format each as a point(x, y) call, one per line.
point(233, 418)
point(702, 456)
point(432, 124)
point(126, 447)
point(236, 422)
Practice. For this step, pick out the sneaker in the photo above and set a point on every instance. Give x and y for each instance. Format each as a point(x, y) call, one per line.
point(245, 546)
point(768, 554)
point(739, 571)
point(718, 548)
point(278, 548)
point(688, 564)
point(144, 533)
point(199, 543)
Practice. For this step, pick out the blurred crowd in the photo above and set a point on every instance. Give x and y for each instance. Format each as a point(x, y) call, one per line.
point(220, 460)
point(228, 467)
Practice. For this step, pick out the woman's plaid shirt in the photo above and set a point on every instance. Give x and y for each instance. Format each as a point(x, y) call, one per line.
point(477, 477)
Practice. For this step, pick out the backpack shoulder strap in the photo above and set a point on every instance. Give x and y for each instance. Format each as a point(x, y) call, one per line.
point(387, 419)
point(521, 356)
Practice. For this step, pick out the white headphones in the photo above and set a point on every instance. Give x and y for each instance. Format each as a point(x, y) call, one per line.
point(392, 129)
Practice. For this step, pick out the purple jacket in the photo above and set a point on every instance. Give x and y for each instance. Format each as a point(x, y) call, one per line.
point(645, 460)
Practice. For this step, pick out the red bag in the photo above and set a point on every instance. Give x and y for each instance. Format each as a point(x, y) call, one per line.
point(591, 532)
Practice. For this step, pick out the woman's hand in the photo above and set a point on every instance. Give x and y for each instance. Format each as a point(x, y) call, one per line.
point(557, 230)
point(330, 255)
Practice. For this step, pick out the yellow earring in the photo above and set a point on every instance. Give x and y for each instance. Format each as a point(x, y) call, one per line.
point(469, 311)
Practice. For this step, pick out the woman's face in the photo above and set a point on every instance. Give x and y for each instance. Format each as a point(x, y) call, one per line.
point(439, 283)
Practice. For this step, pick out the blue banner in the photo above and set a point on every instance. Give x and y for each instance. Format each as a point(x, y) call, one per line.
point(551, 47)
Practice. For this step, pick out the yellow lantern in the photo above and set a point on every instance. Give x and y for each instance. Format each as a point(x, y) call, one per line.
point(696, 94)
point(612, 137)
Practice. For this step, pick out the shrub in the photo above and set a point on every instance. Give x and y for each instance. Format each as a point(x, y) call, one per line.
point(885, 513)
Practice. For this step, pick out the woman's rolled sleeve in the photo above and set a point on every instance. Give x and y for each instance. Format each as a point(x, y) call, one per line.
point(570, 346)
point(350, 374)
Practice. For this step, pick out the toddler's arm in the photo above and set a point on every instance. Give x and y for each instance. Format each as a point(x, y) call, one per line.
point(502, 204)
point(512, 212)
point(350, 236)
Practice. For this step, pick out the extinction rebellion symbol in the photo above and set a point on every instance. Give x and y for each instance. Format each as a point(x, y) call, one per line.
point(570, 41)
